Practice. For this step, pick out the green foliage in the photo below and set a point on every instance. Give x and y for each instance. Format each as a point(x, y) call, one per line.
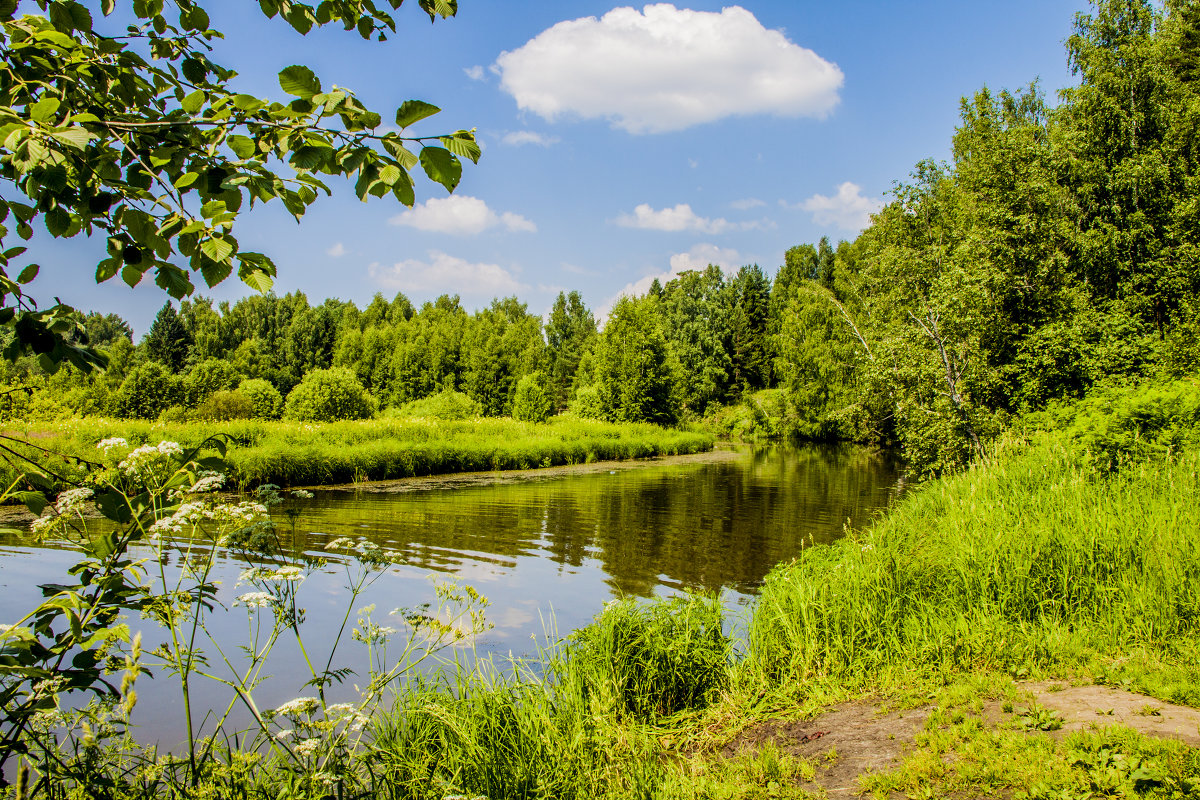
point(127, 129)
point(265, 400)
point(532, 401)
point(224, 404)
point(326, 395)
point(1119, 426)
point(696, 312)
point(587, 402)
point(147, 391)
point(210, 375)
point(570, 334)
point(446, 404)
point(634, 370)
point(168, 342)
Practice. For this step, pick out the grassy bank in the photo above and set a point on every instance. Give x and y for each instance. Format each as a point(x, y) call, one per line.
point(293, 454)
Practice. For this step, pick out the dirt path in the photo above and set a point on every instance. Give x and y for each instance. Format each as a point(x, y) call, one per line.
point(854, 739)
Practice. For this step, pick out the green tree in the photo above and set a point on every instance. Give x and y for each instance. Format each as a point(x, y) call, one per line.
point(147, 391)
point(749, 342)
point(697, 315)
point(636, 374)
point(168, 342)
point(532, 400)
point(570, 332)
point(132, 132)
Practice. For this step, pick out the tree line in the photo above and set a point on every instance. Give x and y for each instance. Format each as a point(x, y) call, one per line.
point(1058, 248)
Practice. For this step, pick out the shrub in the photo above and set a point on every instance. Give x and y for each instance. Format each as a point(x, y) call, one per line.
point(210, 375)
point(587, 403)
point(226, 405)
point(447, 404)
point(327, 395)
point(265, 400)
point(532, 401)
point(147, 391)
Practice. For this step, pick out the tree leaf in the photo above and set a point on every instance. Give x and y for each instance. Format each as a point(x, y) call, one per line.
point(217, 248)
point(258, 280)
point(441, 166)
point(242, 146)
point(194, 101)
point(194, 69)
point(173, 280)
point(28, 274)
point(413, 111)
point(299, 81)
point(467, 148)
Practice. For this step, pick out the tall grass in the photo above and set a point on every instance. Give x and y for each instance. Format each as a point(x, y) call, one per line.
point(290, 453)
point(1038, 557)
point(572, 724)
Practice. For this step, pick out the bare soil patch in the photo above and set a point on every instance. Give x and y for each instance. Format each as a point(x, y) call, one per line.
point(853, 739)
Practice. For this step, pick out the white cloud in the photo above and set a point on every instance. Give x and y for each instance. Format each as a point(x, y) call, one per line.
point(459, 214)
point(699, 257)
point(666, 69)
point(518, 138)
point(337, 251)
point(475, 73)
point(682, 218)
point(848, 209)
point(679, 218)
point(747, 204)
point(446, 273)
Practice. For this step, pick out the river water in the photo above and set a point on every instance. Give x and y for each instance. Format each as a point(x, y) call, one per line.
point(547, 547)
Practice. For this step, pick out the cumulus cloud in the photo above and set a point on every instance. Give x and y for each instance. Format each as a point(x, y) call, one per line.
point(446, 273)
point(698, 258)
point(518, 138)
point(682, 218)
point(848, 209)
point(665, 69)
point(461, 215)
point(337, 251)
point(475, 73)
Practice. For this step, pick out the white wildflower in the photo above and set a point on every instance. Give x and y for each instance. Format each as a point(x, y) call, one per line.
point(108, 444)
point(43, 525)
point(284, 734)
point(301, 705)
point(69, 500)
point(207, 481)
point(286, 574)
point(340, 543)
point(340, 709)
point(303, 494)
point(254, 599)
point(307, 747)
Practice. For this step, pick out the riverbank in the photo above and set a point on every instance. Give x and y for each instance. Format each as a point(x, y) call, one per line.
point(307, 454)
point(1026, 628)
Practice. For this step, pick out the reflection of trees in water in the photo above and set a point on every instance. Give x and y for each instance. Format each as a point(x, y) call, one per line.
point(700, 526)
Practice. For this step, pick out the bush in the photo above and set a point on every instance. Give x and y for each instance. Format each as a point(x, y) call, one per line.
point(587, 403)
point(147, 391)
point(210, 375)
point(532, 401)
point(265, 400)
point(327, 395)
point(447, 404)
point(225, 405)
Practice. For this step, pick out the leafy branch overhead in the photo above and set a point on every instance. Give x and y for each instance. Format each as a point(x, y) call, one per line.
point(135, 134)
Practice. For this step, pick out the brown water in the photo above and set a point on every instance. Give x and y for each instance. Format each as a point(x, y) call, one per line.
point(547, 548)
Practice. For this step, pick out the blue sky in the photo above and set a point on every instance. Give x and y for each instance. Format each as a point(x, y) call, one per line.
point(620, 143)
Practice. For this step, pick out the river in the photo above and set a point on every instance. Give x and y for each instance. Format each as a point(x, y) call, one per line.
point(547, 547)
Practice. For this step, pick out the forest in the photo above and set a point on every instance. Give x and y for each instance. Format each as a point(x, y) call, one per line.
point(1058, 249)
